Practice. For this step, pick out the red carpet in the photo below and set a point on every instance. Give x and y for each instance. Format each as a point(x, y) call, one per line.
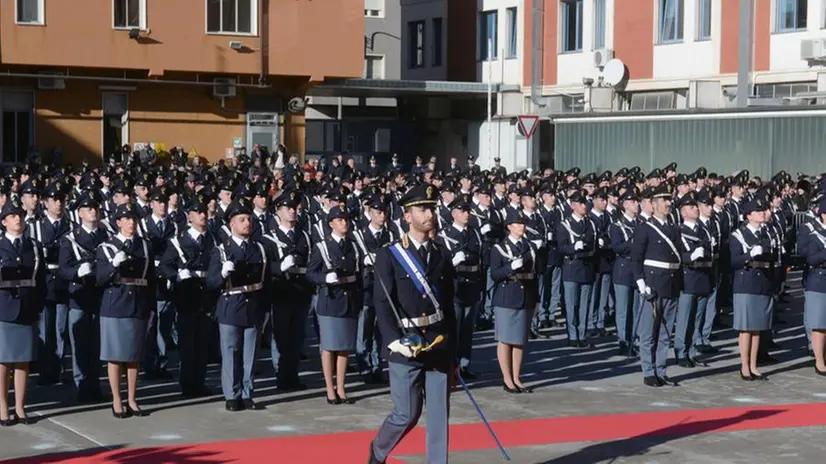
point(351, 447)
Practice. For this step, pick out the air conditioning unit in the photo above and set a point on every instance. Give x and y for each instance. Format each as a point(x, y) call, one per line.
point(602, 56)
point(51, 81)
point(813, 49)
point(224, 87)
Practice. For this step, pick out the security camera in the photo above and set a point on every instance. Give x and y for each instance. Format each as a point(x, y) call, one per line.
point(587, 81)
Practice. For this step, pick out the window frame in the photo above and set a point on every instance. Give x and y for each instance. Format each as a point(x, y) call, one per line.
point(437, 55)
point(413, 47)
point(41, 14)
point(680, 25)
point(512, 32)
point(778, 25)
point(486, 42)
point(380, 11)
point(563, 25)
point(383, 59)
point(600, 24)
point(142, 26)
point(253, 20)
point(702, 5)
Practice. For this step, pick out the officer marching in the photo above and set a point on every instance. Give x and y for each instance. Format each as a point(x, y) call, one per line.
point(414, 307)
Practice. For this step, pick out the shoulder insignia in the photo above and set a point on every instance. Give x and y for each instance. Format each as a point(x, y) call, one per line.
point(405, 241)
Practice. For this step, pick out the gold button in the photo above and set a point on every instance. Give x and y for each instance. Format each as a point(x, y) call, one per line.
point(345, 292)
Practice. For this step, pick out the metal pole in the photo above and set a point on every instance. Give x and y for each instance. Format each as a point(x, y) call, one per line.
point(744, 53)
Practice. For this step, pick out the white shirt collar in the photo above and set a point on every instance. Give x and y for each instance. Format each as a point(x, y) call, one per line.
point(513, 239)
point(194, 233)
point(629, 218)
point(597, 213)
point(373, 229)
point(415, 243)
point(238, 240)
point(690, 224)
point(157, 219)
point(753, 229)
point(661, 221)
point(122, 238)
point(11, 237)
point(285, 229)
point(51, 218)
point(336, 237)
point(576, 217)
point(460, 229)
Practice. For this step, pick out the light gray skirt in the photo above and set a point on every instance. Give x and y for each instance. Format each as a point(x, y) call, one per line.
point(337, 333)
point(752, 313)
point(814, 310)
point(512, 326)
point(18, 343)
point(121, 339)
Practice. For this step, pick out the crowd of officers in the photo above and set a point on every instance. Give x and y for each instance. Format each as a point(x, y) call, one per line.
point(121, 262)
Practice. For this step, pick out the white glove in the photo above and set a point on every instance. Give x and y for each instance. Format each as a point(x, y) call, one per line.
point(538, 243)
point(517, 264)
point(331, 278)
point(578, 245)
point(228, 267)
point(459, 258)
point(184, 274)
point(644, 289)
point(396, 347)
point(698, 253)
point(84, 269)
point(287, 263)
point(485, 229)
point(713, 242)
point(758, 250)
point(119, 258)
point(550, 236)
point(601, 243)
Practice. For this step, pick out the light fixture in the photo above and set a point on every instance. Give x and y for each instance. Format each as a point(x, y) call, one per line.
point(236, 45)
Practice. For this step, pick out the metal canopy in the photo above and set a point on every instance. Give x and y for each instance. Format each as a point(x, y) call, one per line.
point(386, 88)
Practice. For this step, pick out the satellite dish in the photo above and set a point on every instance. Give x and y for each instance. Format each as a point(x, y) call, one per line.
point(614, 72)
point(296, 105)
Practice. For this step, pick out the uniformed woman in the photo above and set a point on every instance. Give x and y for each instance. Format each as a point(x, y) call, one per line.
point(752, 260)
point(513, 270)
point(125, 270)
point(812, 245)
point(22, 287)
point(335, 267)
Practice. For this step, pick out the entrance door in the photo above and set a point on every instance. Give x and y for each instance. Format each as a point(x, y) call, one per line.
point(18, 125)
point(263, 129)
point(115, 123)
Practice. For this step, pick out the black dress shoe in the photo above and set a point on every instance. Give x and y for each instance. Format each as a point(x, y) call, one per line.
point(345, 400)
point(373, 458)
point(524, 389)
point(334, 401)
point(685, 362)
point(119, 415)
point(250, 405)
point(759, 377)
point(747, 378)
point(234, 405)
point(573, 343)
point(137, 412)
point(665, 381)
point(651, 381)
point(510, 390)
point(584, 344)
point(819, 372)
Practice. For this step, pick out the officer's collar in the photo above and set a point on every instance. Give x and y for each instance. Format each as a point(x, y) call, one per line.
point(662, 222)
point(752, 229)
point(459, 228)
point(88, 230)
point(194, 233)
point(122, 238)
point(514, 240)
point(629, 218)
point(690, 224)
point(337, 238)
point(576, 217)
point(11, 237)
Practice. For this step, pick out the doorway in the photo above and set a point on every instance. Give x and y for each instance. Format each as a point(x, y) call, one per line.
point(18, 125)
point(263, 129)
point(115, 123)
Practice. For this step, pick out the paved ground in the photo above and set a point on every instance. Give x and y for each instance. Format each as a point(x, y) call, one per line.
point(589, 406)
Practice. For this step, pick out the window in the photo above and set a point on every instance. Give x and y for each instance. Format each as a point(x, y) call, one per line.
point(512, 51)
point(643, 101)
point(487, 35)
point(374, 67)
point(437, 41)
point(672, 14)
point(231, 16)
point(791, 15)
point(18, 125)
point(129, 14)
point(415, 31)
point(704, 20)
point(599, 24)
point(373, 8)
point(571, 28)
point(29, 11)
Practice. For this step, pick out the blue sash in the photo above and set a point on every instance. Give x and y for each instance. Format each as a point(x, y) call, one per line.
point(412, 266)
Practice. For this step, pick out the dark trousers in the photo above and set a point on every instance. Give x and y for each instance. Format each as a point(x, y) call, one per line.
point(288, 321)
point(194, 329)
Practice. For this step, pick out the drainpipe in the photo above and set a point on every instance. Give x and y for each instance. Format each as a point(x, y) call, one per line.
point(744, 53)
point(537, 48)
point(264, 33)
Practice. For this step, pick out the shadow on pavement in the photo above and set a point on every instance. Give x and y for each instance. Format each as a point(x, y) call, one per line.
point(122, 455)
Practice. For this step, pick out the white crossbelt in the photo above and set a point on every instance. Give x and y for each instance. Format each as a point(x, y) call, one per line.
point(661, 264)
point(423, 321)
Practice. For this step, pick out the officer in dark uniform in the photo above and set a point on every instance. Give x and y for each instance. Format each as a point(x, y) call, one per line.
point(710, 224)
point(489, 222)
point(497, 168)
point(656, 260)
point(239, 269)
point(417, 307)
point(185, 262)
point(22, 286)
point(77, 267)
point(48, 230)
point(125, 270)
point(465, 246)
point(289, 248)
point(550, 285)
point(625, 289)
point(604, 261)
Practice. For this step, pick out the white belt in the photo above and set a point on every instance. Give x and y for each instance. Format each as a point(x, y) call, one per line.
point(467, 268)
point(53, 267)
point(423, 321)
point(346, 280)
point(297, 270)
point(524, 276)
point(131, 281)
point(17, 283)
point(661, 264)
point(201, 274)
point(760, 264)
point(244, 289)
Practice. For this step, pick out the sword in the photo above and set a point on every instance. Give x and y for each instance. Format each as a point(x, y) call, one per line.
point(482, 415)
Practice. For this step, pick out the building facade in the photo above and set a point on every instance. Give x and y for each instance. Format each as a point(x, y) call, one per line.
point(139, 71)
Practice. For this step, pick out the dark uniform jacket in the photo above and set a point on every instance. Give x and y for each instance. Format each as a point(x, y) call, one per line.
point(604, 252)
point(552, 218)
point(129, 289)
point(370, 243)
point(48, 238)
point(22, 281)
point(470, 279)
point(342, 299)
point(578, 265)
point(290, 286)
point(158, 242)
point(76, 248)
point(697, 274)
point(243, 298)
point(515, 288)
point(184, 252)
point(752, 275)
point(812, 245)
point(657, 259)
point(622, 238)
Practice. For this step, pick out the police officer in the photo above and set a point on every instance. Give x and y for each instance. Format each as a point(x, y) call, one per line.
point(289, 248)
point(625, 289)
point(22, 286)
point(812, 245)
point(656, 261)
point(125, 269)
point(238, 268)
point(414, 302)
point(185, 262)
point(488, 220)
point(604, 260)
point(550, 285)
point(77, 267)
point(465, 246)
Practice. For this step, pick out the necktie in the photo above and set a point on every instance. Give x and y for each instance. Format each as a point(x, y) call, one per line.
point(423, 253)
point(17, 245)
point(291, 235)
point(244, 246)
point(127, 245)
point(200, 241)
point(160, 226)
point(56, 226)
point(378, 237)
